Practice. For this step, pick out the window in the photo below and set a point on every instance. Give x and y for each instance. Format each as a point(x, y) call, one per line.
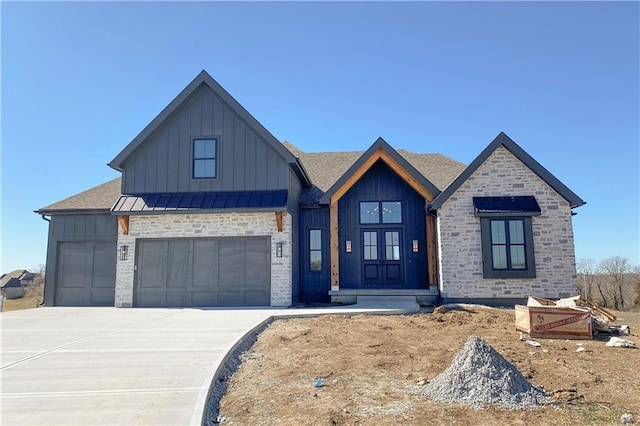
point(370, 245)
point(507, 247)
point(315, 250)
point(204, 158)
point(392, 245)
point(373, 212)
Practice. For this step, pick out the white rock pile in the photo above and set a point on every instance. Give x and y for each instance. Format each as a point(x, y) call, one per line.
point(479, 375)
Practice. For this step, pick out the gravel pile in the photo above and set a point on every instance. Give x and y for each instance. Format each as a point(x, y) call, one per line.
point(479, 375)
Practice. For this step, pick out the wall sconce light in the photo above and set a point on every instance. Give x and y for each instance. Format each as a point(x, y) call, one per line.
point(347, 247)
point(124, 251)
point(279, 249)
point(415, 246)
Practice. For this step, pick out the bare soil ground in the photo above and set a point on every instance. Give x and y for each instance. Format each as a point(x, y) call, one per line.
point(369, 364)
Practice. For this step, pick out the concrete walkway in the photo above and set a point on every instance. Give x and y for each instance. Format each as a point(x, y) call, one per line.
point(108, 366)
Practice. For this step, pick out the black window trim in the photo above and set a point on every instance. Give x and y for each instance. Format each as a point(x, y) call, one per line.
point(311, 250)
point(380, 215)
point(487, 253)
point(215, 157)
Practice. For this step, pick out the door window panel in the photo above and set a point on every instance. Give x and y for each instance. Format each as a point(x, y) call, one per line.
point(370, 246)
point(392, 245)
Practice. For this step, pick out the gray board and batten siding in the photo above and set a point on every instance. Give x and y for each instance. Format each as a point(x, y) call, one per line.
point(81, 260)
point(163, 162)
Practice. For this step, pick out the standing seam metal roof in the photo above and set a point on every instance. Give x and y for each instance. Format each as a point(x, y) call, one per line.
point(324, 169)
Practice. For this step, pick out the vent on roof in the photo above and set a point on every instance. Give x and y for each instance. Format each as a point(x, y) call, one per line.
point(506, 206)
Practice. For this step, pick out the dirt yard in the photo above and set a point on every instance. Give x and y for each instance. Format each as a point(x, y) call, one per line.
point(369, 364)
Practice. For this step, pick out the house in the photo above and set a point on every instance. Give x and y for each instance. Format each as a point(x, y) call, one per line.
point(212, 210)
point(13, 284)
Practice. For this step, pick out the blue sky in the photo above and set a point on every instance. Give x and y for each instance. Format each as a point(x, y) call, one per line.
point(81, 79)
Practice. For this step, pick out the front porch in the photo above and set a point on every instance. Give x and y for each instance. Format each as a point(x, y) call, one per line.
point(424, 297)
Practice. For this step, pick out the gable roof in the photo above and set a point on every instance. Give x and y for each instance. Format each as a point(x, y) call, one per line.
point(325, 168)
point(505, 141)
point(17, 274)
point(98, 198)
point(380, 150)
point(206, 79)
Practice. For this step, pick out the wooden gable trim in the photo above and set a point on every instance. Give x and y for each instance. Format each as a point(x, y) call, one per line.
point(124, 224)
point(279, 221)
point(381, 154)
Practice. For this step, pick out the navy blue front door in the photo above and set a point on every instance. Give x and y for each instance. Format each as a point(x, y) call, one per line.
point(382, 257)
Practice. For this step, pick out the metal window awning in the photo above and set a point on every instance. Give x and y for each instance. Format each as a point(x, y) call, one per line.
point(525, 205)
point(205, 202)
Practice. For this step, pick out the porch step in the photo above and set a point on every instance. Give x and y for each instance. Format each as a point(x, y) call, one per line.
point(385, 299)
point(406, 303)
point(425, 297)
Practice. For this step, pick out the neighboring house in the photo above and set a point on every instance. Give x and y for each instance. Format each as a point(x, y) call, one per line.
point(13, 284)
point(22, 275)
point(212, 210)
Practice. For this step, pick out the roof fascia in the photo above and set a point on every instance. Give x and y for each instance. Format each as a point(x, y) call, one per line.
point(503, 140)
point(72, 211)
point(205, 78)
point(379, 148)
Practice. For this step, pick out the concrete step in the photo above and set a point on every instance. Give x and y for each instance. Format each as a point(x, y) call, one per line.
point(386, 299)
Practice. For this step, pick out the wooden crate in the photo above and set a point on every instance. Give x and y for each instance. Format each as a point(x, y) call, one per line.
point(554, 322)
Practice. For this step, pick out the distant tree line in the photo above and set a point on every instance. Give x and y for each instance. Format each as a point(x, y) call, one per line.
point(612, 283)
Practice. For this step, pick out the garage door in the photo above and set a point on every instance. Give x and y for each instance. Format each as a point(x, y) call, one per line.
point(232, 271)
point(86, 274)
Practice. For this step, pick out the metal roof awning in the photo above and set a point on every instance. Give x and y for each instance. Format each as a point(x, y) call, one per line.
point(506, 206)
point(206, 202)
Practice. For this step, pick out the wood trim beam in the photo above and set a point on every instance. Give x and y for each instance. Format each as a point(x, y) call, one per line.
point(410, 180)
point(380, 154)
point(279, 221)
point(356, 176)
point(431, 249)
point(124, 224)
point(335, 246)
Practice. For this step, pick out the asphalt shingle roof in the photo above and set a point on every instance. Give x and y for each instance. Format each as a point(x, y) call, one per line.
point(101, 197)
point(324, 169)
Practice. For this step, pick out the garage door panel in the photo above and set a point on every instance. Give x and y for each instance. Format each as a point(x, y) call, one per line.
point(152, 264)
point(223, 271)
point(204, 298)
point(73, 266)
point(231, 298)
point(176, 298)
point(205, 263)
point(178, 264)
point(104, 266)
point(86, 273)
point(102, 296)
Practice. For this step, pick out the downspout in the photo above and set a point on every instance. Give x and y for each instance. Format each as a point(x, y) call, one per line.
point(44, 217)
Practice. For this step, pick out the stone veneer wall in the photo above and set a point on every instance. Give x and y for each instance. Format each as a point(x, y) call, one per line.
point(208, 225)
point(460, 257)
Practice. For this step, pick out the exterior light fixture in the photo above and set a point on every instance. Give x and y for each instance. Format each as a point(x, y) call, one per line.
point(279, 249)
point(415, 246)
point(124, 251)
point(347, 247)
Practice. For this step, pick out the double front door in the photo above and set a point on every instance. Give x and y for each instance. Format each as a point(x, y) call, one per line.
point(381, 257)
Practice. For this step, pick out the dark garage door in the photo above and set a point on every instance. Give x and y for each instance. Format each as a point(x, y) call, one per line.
point(86, 274)
point(180, 272)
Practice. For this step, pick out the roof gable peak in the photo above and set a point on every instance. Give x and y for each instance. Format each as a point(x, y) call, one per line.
point(380, 150)
point(505, 141)
point(204, 78)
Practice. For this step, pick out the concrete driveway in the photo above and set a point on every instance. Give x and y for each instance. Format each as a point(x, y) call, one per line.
point(88, 366)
